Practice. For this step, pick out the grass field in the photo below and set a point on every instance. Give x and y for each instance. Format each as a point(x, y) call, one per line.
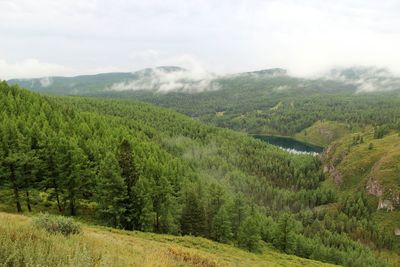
point(23, 245)
point(322, 133)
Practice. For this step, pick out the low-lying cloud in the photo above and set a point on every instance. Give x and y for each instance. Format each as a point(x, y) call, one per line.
point(367, 79)
point(164, 80)
point(46, 81)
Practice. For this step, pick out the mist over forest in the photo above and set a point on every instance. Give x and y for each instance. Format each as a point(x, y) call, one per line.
point(199, 133)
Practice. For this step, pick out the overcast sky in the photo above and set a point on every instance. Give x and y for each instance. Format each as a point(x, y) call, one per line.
point(69, 37)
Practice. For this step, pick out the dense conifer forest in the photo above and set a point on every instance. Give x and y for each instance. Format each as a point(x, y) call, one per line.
point(284, 105)
point(134, 166)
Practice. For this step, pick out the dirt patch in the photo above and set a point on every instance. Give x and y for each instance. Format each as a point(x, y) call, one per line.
point(193, 260)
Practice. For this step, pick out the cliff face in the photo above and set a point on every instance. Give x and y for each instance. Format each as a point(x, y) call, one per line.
point(353, 166)
point(330, 160)
point(389, 199)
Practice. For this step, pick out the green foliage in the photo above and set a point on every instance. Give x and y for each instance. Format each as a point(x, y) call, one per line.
point(111, 192)
point(193, 221)
point(221, 227)
point(249, 234)
point(56, 224)
point(285, 238)
point(370, 146)
point(135, 166)
point(380, 131)
point(280, 105)
point(23, 245)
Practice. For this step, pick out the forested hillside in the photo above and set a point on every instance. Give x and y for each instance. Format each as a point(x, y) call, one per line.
point(138, 167)
point(263, 102)
point(279, 104)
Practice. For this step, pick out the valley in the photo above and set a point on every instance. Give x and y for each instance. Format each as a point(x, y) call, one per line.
point(213, 172)
point(199, 133)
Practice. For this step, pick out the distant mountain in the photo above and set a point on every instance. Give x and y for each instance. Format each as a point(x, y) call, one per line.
point(167, 79)
point(359, 72)
point(367, 79)
point(72, 85)
point(267, 72)
point(84, 84)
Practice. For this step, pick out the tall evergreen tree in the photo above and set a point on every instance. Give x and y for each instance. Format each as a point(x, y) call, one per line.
point(130, 176)
point(221, 226)
point(285, 234)
point(249, 234)
point(111, 192)
point(193, 220)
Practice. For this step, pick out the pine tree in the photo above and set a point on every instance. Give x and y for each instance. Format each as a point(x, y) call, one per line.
point(221, 226)
point(74, 170)
point(249, 234)
point(165, 207)
point(215, 202)
point(193, 220)
point(111, 193)
point(285, 235)
point(13, 160)
point(239, 213)
point(143, 207)
point(128, 172)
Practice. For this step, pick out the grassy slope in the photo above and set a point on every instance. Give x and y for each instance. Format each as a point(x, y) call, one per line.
point(20, 244)
point(322, 133)
point(360, 166)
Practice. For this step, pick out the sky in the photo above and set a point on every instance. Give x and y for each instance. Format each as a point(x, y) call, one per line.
point(69, 37)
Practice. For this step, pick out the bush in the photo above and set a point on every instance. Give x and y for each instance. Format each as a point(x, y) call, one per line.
point(57, 224)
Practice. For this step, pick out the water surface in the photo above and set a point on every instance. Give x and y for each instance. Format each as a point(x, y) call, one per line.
point(290, 144)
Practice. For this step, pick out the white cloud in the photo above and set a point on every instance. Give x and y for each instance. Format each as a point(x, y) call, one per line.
point(46, 81)
point(163, 81)
point(31, 68)
point(226, 36)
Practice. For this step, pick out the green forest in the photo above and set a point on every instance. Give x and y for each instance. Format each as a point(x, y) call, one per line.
point(282, 105)
point(134, 166)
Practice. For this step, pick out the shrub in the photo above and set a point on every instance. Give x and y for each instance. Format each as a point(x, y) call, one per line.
point(57, 224)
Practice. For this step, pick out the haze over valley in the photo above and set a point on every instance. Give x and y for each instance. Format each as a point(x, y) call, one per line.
point(199, 133)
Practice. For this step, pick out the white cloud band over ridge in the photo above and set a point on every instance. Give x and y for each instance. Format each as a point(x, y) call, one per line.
point(160, 80)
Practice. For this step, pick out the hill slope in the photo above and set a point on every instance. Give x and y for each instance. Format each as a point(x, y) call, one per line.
point(259, 102)
point(21, 244)
point(363, 163)
point(135, 166)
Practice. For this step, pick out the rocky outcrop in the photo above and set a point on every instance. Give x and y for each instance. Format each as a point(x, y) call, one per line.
point(374, 188)
point(385, 204)
point(336, 175)
point(397, 231)
point(329, 164)
point(388, 199)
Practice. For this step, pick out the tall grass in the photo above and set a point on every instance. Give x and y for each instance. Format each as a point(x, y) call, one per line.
point(23, 244)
